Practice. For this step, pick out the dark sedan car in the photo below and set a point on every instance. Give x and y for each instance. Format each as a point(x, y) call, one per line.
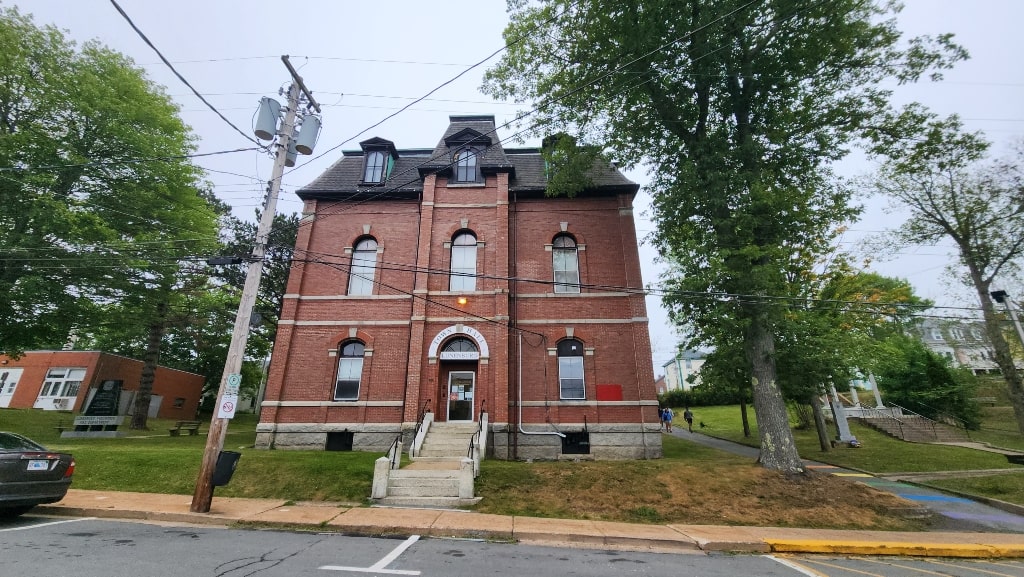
point(30, 474)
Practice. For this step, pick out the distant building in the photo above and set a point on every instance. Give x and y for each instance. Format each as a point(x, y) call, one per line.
point(679, 370)
point(963, 342)
point(67, 380)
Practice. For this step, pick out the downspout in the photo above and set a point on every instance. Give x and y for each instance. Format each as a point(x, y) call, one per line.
point(520, 379)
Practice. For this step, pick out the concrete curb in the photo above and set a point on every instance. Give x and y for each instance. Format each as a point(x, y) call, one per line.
point(677, 539)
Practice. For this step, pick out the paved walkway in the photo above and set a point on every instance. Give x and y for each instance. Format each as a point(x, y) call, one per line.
point(956, 512)
point(380, 521)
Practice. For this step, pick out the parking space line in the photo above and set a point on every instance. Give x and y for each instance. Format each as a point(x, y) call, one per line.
point(379, 566)
point(47, 524)
point(796, 567)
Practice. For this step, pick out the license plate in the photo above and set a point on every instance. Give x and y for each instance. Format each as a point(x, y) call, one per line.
point(38, 465)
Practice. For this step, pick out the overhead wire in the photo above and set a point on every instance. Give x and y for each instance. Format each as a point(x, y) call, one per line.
point(182, 78)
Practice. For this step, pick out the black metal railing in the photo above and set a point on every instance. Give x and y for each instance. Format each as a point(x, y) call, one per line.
point(419, 418)
point(886, 416)
point(943, 418)
point(931, 423)
point(395, 452)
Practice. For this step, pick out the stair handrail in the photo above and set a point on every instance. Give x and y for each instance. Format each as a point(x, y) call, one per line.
point(395, 452)
point(478, 442)
point(880, 414)
point(422, 424)
point(935, 433)
point(943, 417)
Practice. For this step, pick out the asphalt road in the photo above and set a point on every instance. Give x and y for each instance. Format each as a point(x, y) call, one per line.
point(83, 547)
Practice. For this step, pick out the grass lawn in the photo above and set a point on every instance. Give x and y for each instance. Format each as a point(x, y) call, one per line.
point(1008, 487)
point(692, 484)
point(880, 453)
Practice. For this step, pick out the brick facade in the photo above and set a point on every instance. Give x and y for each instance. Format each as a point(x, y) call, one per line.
point(514, 318)
point(179, 391)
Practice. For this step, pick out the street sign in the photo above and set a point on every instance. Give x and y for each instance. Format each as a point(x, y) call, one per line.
point(229, 400)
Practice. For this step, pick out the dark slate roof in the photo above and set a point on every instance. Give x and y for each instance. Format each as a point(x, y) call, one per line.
point(342, 181)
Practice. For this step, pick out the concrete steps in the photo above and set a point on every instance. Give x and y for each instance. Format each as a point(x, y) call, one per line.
point(435, 476)
point(917, 429)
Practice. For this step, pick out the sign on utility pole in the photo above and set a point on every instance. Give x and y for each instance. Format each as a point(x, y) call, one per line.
point(227, 393)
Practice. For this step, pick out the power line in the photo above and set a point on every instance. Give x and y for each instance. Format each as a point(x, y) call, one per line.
point(26, 168)
point(182, 78)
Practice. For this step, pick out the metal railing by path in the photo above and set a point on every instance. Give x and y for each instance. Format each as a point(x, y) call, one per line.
point(423, 421)
point(478, 442)
point(942, 417)
point(930, 423)
point(885, 416)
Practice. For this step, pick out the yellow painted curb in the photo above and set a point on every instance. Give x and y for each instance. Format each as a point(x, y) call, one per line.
point(922, 549)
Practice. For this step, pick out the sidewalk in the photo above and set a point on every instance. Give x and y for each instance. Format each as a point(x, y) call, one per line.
point(377, 521)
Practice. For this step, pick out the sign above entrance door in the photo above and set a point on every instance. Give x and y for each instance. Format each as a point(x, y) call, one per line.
point(470, 332)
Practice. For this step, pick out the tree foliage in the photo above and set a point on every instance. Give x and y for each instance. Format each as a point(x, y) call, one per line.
point(739, 107)
point(919, 379)
point(98, 202)
point(954, 191)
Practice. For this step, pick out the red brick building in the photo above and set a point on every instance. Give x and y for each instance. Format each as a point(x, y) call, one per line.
point(66, 381)
point(444, 280)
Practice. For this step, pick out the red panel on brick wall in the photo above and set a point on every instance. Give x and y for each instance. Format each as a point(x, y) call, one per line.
point(609, 392)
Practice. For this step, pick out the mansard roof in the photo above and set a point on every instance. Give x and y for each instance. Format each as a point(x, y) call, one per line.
point(527, 176)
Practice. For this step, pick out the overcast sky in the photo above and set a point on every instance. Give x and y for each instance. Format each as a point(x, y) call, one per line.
point(365, 60)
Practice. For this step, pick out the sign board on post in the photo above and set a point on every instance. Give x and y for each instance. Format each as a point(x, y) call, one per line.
point(229, 400)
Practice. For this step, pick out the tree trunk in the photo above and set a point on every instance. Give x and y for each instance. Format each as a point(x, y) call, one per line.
point(778, 450)
point(140, 409)
point(819, 423)
point(746, 421)
point(1004, 358)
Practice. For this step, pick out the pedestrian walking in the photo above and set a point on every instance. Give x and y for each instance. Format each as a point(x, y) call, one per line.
point(668, 418)
point(688, 417)
point(661, 417)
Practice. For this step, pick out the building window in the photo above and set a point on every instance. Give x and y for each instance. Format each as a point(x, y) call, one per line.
point(937, 335)
point(565, 259)
point(179, 402)
point(62, 382)
point(466, 167)
point(570, 370)
point(376, 162)
point(364, 264)
point(463, 276)
point(350, 370)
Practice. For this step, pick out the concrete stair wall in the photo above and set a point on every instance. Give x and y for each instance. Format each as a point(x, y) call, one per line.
point(917, 429)
point(441, 475)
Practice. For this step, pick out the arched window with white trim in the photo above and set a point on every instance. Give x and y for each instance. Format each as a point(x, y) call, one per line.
point(463, 271)
point(363, 268)
point(350, 371)
point(566, 264)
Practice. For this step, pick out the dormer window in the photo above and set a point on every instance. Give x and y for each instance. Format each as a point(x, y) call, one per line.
point(467, 168)
point(375, 163)
point(378, 160)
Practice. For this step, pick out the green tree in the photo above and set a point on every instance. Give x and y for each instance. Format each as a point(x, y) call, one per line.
point(954, 191)
point(102, 206)
point(917, 378)
point(738, 106)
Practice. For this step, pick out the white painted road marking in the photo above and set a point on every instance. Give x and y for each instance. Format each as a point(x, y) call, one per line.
point(47, 524)
point(379, 566)
point(795, 566)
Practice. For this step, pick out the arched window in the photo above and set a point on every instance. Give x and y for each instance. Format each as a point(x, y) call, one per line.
point(570, 370)
point(364, 264)
point(463, 276)
point(350, 371)
point(460, 349)
point(566, 263)
point(466, 167)
point(375, 163)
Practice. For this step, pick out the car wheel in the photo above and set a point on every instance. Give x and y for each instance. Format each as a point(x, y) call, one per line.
point(12, 512)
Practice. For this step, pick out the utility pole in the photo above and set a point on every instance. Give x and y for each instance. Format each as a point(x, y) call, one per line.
point(1002, 297)
point(203, 495)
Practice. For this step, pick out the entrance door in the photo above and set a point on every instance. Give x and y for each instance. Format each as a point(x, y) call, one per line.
point(8, 382)
point(460, 395)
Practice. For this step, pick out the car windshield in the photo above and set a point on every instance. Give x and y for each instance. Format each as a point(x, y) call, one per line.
point(9, 442)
